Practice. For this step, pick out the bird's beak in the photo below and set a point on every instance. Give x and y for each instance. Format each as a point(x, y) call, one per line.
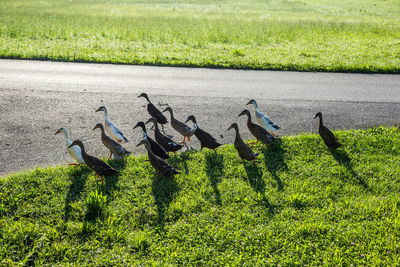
point(315, 116)
point(240, 114)
point(57, 132)
point(149, 120)
point(71, 145)
point(230, 127)
point(94, 128)
point(164, 110)
point(98, 110)
point(141, 143)
point(187, 120)
point(248, 103)
point(137, 125)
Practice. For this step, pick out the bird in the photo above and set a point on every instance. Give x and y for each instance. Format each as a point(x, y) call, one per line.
point(260, 133)
point(111, 129)
point(245, 152)
point(75, 151)
point(158, 163)
point(155, 112)
point(329, 138)
point(179, 126)
point(167, 143)
point(155, 147)
point(263, 120)
point(101, 168)
point(206, 140)
point(113, 146)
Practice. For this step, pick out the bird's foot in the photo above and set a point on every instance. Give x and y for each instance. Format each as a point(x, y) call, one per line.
point(74, 164)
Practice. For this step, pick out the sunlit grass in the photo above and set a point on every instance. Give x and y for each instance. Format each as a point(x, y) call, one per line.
point(320, 35)
point(300, 204)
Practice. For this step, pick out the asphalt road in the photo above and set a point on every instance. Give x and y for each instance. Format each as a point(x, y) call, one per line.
point(37, 97)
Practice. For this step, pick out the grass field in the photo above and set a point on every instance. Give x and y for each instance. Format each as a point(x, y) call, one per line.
point(312, 35)
point(299, 205)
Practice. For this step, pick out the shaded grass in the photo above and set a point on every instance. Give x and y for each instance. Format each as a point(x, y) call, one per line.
point(328, 208)
point(316, 35)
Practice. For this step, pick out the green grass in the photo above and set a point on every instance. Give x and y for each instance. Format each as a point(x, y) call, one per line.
point(312, 35)
point(299, 204)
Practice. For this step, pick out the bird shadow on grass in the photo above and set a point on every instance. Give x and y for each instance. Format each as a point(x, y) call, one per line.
point(274, 161)
point(182, 159)
point(344, 160)
point(111, 182)
point(214, 166)
point(79, 176)
point(163, 189)
point(256, 181)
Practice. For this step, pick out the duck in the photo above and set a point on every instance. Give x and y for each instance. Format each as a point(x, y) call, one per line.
point(155, 112)
point(329, 138)
point(179, 126)
point(167, 143)
point(245, 152)
point(155, 147)
point(113, 146)
point(158, 163)
point(75, 151)
point(111, 129)
point(260, 133)
point(206, 139)
point(101, 168)
point(263, 120)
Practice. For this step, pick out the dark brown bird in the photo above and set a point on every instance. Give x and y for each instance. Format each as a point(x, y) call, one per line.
point(158, 163)
point(179, 126)
point(260, 133)
point(113, 146)
point(329, 138)
point(100, 167)
point(155, 112)
point(155, 147)
point(206, 140)
point(245, 152)
point(167, 143)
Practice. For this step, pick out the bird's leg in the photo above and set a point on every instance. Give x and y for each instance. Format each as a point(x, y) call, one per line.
point(74, 164)
point(272, 133)
point(184, 139)
point(253, 143)
point(162, 129)
point(110, 156)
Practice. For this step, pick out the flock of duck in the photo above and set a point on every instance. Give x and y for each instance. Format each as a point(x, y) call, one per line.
point(158, 149)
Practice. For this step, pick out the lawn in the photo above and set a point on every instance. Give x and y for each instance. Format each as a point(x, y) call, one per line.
point(313, 35)
point(300, 204)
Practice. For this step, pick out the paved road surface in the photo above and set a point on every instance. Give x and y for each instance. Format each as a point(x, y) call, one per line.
point(36, 98)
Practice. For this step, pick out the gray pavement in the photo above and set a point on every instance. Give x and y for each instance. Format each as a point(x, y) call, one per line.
point(38, 97)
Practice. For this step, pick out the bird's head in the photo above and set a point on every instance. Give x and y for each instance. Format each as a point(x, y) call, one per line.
point(191, 118)
point(244, 112)
point(319, 114)
point(251, 102)
point(140, 124)
point(102, 108)
point(233, 126)
point(76, 143)
point(144, 95)
point(98, 126)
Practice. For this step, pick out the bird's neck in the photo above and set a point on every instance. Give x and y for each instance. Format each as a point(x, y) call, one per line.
point(237, 135)
point(195, 127)
point(320, 121)
point(255, 105)
point(67, 140)
point(248, 118)
point(106, 114)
